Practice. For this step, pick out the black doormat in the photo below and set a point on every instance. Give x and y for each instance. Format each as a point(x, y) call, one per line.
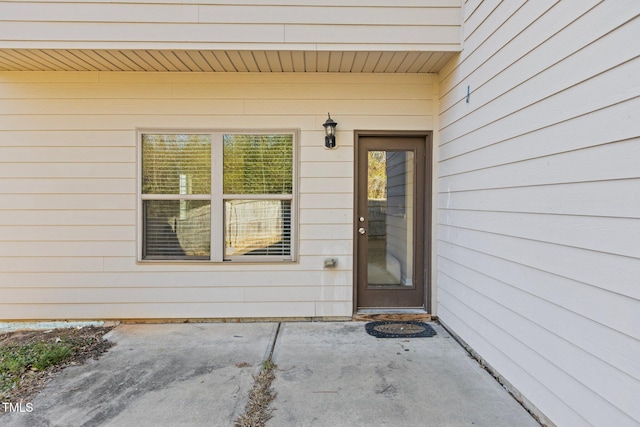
point(408, 329)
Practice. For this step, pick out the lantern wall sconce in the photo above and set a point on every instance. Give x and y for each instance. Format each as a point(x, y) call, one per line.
point(330, 131)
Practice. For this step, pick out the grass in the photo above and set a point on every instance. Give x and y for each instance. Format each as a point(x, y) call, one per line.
point(28, 359)
point(16, 361)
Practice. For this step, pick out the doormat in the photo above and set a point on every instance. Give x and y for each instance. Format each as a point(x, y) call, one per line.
point(409, 329)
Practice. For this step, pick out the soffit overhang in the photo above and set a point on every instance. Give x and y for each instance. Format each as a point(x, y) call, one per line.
point(219, 60)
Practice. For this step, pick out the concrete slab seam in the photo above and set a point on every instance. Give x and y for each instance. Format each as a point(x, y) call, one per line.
point(257, 409)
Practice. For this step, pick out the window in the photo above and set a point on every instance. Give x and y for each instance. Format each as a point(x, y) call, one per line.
point(217, 196)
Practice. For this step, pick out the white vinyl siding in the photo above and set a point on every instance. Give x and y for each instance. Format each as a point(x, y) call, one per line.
point(68, 193)
point(408, 36)
point(238, 24)
point(539, 214)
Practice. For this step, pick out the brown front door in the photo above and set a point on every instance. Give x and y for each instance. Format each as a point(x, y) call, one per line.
point(390, 218)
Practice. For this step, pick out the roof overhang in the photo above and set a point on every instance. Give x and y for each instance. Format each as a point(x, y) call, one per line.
point(175, 60)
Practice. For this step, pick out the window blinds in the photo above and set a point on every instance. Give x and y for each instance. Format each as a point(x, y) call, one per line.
point(258, 164)
point(176, 164)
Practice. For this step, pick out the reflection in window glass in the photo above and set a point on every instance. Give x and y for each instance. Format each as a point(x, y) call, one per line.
point(177, 229)
point(180, 185)
point(257, 227)
point(258, 164)
point(176, 164)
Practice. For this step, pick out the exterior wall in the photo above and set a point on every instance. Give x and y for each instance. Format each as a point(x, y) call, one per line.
point(539, 211)
point(238, 24)
point(68, 189)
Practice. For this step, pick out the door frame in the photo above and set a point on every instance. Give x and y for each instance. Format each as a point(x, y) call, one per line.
point(427, 208)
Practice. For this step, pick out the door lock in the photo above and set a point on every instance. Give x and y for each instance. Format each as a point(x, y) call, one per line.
point(361, 230)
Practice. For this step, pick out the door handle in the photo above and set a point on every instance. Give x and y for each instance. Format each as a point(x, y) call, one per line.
point(361, 230)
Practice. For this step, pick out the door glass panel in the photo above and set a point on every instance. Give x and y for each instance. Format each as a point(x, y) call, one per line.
point(390, 228)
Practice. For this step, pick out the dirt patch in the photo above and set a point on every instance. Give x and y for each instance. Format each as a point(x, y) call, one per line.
point(87, 342)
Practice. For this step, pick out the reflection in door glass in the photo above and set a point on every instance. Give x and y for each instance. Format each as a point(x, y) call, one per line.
point(390, 219)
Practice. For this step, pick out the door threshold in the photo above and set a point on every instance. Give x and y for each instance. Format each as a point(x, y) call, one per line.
point(392, 314)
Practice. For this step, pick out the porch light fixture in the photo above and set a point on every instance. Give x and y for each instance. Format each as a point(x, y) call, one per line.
point(330, 130)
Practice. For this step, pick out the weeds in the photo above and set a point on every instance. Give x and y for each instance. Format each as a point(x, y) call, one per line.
point(15, 361)
point(257, 411)
point(29, 358)
point(268, 365)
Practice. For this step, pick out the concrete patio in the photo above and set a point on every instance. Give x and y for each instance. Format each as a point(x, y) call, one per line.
point(328, 374)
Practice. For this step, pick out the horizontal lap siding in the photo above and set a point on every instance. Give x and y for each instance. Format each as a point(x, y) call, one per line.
point(288, 25)
point(68, 189)
point(539, 206)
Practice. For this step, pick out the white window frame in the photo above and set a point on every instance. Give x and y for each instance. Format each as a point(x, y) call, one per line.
point(217, 197)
